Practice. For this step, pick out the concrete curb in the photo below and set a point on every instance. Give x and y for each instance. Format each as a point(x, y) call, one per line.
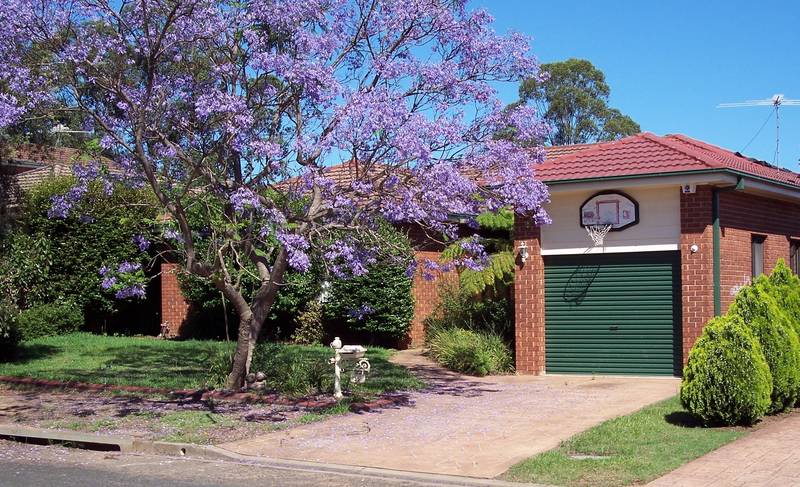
point(215, 454)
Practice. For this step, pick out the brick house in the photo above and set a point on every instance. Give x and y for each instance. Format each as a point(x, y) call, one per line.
point(690, 224)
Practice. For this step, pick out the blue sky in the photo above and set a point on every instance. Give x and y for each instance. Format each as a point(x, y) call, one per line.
point(669, 63)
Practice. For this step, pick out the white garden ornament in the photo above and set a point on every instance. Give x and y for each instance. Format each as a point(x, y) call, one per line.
point(348, 353)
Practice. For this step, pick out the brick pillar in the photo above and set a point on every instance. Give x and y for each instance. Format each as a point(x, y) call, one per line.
point(426, 295)
point(529, 300)
point(697, 269)
point(174, 307)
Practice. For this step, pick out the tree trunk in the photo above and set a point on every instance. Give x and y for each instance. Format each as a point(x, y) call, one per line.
point(242, 356)
point(251, 319)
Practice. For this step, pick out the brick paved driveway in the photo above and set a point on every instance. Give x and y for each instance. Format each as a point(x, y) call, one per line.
point(464, 426)
point(769, 456)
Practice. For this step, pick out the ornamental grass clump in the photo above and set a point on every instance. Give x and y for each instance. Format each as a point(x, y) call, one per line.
point(471, 352)
point(779, 342)
point(727, 379)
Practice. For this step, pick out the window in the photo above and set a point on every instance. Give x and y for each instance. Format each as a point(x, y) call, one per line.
point(757, 254)
point(794, 255)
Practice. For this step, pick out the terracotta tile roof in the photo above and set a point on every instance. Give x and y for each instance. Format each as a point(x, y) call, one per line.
point(648, 154)
point(24, 166)
point(556, 151)
point(43, 155)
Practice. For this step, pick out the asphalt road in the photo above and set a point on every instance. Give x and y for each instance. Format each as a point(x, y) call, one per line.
point(54, 466)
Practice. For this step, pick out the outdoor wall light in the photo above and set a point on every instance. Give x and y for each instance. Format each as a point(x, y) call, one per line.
point(694, 248)
point(523, 252)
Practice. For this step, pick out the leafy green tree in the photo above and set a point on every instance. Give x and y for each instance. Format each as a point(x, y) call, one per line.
point(573, 99)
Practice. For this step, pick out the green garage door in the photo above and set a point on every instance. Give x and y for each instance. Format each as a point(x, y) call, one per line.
point(613, 313)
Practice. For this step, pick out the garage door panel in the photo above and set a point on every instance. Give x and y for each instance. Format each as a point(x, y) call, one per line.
point(612, 314)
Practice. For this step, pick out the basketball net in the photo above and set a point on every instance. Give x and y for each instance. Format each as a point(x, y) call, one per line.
point(598, 233)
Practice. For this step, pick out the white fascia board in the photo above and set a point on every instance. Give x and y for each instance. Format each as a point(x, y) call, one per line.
point(612, 250)
point(714, 179)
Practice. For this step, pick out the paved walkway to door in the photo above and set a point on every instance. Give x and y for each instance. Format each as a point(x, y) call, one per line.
point(463, 425)
point(769, 456)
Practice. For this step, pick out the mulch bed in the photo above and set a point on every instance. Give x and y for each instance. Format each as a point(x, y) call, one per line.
point(314, 403)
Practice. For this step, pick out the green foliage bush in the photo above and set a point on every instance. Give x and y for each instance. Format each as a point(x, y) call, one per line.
point(47, 259)
point(9, 330)
point(309, 328)
point(758, 309)
point(727, 379)
point(50, 319)
point(290, 371)
point(460, 309)
point(376, 307)
point(470, 352)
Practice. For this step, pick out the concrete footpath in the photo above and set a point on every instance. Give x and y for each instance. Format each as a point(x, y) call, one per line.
point(769, 456)
point(476, 427)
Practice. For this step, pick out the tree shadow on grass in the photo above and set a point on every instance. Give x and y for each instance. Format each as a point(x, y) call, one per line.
point(30, 352)
point(147, 366)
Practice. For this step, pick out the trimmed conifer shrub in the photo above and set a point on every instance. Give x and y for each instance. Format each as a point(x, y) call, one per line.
point(727, 380)
point(784, 286)
point(779, 342)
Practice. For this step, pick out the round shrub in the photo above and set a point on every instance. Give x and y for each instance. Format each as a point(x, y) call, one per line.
point(50, 319)
point(727, 380)
point(9, 330)
point(778, 339)
point(470, 352)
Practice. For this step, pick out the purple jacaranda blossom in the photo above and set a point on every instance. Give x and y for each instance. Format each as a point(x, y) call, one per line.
point(104, 270)
point(141, 242)
point(296, 246)
point(361, 312)
point(134, 291)
point(108, 282)
point(127, 267)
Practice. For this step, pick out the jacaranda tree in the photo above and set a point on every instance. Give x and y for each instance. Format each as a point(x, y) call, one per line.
point(231, 110)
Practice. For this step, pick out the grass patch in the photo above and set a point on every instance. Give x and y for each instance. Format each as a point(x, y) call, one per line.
point(192, 426)
point(631, 449)
point(148, 362)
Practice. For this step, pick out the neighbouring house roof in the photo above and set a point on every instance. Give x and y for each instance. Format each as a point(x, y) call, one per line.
point(24, 166)
point(647, 154)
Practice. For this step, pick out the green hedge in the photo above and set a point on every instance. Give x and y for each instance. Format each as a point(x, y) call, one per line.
point(44, 259)
point(49, 320)
point(727, 379)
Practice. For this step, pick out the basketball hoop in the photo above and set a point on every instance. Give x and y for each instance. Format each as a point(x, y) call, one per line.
point(598, 233)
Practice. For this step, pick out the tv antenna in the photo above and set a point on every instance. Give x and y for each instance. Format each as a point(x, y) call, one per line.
point(776, 102)
point(61, 129)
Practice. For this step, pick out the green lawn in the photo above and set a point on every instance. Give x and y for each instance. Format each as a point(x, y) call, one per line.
point(148, 362)
point(636, 448)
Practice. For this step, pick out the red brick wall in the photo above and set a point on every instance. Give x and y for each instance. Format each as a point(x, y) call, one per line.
point(174, 308)
point(426, 295)
point(529, 300)
point(741, 216)
point(697, 273)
